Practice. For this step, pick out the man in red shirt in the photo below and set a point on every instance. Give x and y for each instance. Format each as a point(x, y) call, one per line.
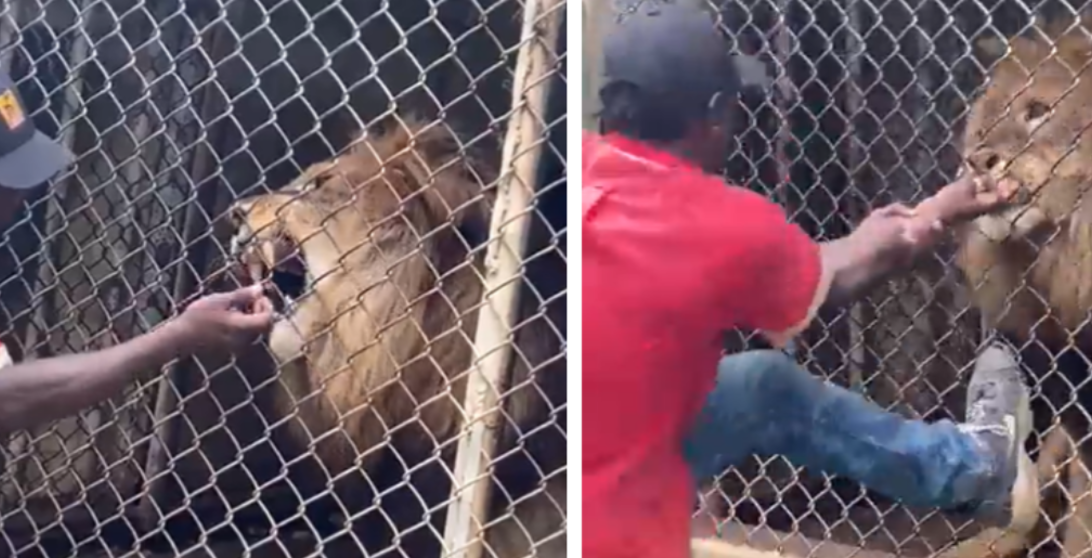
point(672, 257)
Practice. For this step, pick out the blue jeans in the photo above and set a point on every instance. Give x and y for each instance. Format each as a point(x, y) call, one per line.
point(766, 404)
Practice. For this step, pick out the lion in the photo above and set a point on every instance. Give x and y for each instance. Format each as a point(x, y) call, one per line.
point(1032, 124)
point(1029, 265)
point(377, 262)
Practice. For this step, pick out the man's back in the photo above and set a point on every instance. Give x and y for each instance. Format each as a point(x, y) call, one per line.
point(671, 257)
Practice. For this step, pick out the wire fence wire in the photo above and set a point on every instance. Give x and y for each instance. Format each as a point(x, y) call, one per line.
point(373, 160)
point(881, 102)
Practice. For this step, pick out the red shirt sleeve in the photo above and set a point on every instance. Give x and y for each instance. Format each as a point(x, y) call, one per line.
point(778, 281)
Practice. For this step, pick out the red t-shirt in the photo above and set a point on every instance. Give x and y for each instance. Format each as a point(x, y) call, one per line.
point(672, 257)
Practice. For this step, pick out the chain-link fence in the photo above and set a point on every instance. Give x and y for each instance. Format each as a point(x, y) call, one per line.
point(397, 171)
point(872, 107)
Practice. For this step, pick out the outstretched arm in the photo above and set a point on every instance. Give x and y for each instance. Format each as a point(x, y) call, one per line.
point(846, 268)
point(48, 389)
point(779, 275)
point(854, 269)
point(861, 259)
point(858, 262)
point(786, 276)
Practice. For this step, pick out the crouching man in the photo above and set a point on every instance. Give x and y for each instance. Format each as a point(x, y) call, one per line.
point(672, 256)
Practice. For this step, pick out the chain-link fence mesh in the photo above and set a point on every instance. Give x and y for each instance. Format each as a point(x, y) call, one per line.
point(871, 107)
point(351, 153)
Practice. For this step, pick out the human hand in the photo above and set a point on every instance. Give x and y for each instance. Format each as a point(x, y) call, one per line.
point(970, 196)
point(893, 234)
point(894, 229)
point(227, 321)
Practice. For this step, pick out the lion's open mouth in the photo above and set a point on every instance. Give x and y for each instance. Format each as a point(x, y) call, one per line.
point(290, 278)
point(288, 274)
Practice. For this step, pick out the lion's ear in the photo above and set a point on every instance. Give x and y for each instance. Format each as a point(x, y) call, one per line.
point(991, 47)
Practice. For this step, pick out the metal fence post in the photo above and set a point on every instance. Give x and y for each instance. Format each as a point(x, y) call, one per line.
point(523, 145)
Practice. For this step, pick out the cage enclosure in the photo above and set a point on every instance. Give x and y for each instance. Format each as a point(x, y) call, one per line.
point(176, 111)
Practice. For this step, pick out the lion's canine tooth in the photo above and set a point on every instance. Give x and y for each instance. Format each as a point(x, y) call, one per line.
point(257, 271)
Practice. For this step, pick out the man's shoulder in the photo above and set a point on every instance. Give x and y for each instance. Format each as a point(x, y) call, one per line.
point(747, 199)
point(625, 168)
point(640, 184)
point(710, 205)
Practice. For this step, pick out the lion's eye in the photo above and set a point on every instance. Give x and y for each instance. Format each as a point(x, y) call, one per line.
point(1036, 110)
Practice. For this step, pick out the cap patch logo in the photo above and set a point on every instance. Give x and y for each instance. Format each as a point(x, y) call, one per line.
point(10, 112)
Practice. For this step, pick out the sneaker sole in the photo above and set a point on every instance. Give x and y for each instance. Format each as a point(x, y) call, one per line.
point(1025, 489)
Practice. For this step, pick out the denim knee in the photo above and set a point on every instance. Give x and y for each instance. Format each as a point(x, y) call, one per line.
point(760, 359)
point(742, 409)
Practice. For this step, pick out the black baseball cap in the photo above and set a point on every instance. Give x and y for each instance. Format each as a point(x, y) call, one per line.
point(27, 157)
point(673, 50)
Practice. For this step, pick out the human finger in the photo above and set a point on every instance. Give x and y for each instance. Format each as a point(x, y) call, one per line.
point(241, 297)
point(253, 322)
point(262, 305)
point(244, 297)
point(896, 210)
point(920, 231)
point(982, 183)
point(991, 191)
point(965, 178)
point(1006, 188)
point(914, 230)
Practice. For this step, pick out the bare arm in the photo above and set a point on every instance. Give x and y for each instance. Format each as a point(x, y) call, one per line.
point(856, 265)
point(48, 389)
point(860, 260)
point(848, 267)
point(793, 276)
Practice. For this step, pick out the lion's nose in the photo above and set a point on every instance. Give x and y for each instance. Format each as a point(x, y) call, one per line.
point(986, 161)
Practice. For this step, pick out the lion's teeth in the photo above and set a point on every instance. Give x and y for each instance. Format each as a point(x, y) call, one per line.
point(257, 273)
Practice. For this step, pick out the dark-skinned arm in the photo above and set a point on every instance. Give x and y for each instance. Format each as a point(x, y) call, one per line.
point(857, 263)
point(786, 276)
point(48, 389)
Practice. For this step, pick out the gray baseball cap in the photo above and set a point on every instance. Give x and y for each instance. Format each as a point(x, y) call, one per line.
point(673, 50)
point(27, 157)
